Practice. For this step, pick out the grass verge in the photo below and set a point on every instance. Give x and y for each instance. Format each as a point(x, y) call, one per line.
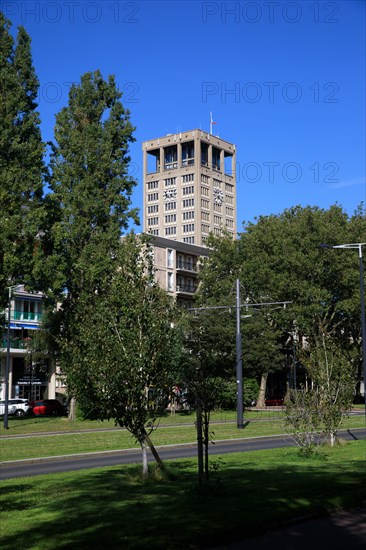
point(92, 441)
point(111, 508)
point(33, 424)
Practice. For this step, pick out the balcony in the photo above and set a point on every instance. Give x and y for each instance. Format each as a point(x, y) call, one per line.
point(187, 162)
point(186, 289)
point(26, 316)
point(170, 166)
point(186, 266)
point(15, 343)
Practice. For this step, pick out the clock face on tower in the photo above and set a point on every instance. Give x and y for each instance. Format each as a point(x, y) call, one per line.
point(218, 196)
point(170, 195)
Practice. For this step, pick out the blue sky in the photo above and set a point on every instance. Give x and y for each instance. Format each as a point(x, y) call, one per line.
point(285, 82)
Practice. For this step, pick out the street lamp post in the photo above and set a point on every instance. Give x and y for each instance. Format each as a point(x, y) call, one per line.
point(358, 246)
point(7, 368)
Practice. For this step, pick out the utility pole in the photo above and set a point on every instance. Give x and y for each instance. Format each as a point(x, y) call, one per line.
point(239, 363)
point(238, 342)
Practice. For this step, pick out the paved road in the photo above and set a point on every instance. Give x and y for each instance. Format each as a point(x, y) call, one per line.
point(33, 467)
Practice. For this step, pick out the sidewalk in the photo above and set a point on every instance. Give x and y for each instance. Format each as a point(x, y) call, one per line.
point(346, 530)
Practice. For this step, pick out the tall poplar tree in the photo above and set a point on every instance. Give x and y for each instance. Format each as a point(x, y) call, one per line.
point(89, 200)
point(21, 159)
point(90, 197)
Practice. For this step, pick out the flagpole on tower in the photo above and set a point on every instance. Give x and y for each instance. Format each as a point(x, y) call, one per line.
point(211, 123)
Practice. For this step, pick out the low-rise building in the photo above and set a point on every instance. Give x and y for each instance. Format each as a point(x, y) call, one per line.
point(32, 375)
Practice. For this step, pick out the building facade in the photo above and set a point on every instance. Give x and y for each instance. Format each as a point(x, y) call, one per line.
point(30, 376)
point(189, 186)
point(177, 266)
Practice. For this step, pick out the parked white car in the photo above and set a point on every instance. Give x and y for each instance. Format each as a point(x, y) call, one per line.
point(16, 407)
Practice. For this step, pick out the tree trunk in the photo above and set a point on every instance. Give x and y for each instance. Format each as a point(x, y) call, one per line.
point(199, 442)
point(206, 426)
point(72, 409)
point(155, 452)
point(145, 471)
point(262, 391)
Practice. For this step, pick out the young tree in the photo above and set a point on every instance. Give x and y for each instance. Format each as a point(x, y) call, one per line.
point(21, 159)
point(303, 419)
point(203, 369)
point(121, 360)
point(334, 382)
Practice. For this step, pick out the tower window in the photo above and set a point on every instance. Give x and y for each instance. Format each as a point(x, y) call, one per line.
point(216, 158)
point(170, 157)
point(188, 153)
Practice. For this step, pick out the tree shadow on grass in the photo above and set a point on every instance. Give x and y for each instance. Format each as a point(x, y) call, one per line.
point(111, 508)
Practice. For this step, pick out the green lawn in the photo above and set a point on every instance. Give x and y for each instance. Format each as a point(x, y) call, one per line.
point(34, 424)
point(110, 507)
point(89, 441)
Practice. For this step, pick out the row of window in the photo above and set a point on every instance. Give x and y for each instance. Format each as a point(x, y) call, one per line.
point(151, 197)
point(170, 181)
point(188, 215)
point(188, 228)
point(188, 203)
point(188, 190)
point(152, 221)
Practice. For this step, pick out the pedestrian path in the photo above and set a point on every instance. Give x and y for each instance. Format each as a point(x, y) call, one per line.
point(337, 532)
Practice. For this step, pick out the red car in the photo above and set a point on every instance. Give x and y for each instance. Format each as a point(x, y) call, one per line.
point(48, 407)
point(274, 402)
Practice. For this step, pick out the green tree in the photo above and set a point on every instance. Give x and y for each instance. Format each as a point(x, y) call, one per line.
point(21, 159)
point(91, 189)
point(333, 380)
point(277, 258)
point(208, 369)
point(121, 361)
point(88, 204)
point(260, 335)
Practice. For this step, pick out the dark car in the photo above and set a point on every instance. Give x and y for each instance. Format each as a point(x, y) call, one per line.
point(48, 407)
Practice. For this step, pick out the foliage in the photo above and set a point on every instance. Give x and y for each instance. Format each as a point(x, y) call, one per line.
point(122, 356)
point(333, 381)
point(302, 419)
point(322, 407)
point(89, 203)
point(277, 258)
point(21, 160)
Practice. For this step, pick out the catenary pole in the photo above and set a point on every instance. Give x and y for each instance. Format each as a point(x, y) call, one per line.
point(239, 361)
